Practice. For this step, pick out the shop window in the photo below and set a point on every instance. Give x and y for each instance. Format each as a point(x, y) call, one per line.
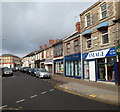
point(105, 39)
point(87, 19)
point(86, 69)
point(101, 60)
point(106, 68)
point(76, 45)
point(101, 72)
point(88, 40)
point(103, 11)
point(110, 60)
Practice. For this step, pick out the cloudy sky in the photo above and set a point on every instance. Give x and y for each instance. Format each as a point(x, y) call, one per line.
point(27, 25)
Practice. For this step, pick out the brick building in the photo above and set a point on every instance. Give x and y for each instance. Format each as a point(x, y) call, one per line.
point(10, 61)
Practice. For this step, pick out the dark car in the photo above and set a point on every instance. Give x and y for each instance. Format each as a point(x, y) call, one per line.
point(25, 69)
point(14, 69)
point(34, 71)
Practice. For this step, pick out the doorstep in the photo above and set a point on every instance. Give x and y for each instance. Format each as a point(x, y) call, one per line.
point(111, 83)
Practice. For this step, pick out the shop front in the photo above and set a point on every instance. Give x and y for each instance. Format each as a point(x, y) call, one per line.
point(49, 65)
point(118, 63)
point(73, 65)
point(100, 65)
point(58, 66)
point(42, 65)
point(37, 64)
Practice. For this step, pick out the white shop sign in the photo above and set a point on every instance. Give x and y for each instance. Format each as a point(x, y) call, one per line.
point(97, 54)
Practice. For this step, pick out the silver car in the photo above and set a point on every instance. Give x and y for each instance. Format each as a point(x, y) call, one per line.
point(43, 73)
point(7, 71)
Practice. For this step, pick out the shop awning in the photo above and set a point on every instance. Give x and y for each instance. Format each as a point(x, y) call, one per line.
point(103, 25)
point(87, 32)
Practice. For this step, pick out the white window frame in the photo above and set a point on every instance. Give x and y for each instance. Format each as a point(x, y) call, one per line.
point(86, 20)
point(103, 35)
point(103, 11)
point(87, 42)
point(68, 48)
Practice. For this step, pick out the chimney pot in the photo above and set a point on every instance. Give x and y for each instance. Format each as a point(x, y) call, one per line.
point(78, 26)
point(51, 42)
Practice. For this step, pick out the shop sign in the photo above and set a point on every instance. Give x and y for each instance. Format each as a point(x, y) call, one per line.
point(49, 61)
point(118, 50)
point(100, 54)
point(73, 57)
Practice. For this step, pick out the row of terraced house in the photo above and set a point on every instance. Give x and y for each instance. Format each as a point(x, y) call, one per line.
point(92, 52)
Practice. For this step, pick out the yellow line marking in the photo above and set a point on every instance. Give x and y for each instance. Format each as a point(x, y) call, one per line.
point(92, 96)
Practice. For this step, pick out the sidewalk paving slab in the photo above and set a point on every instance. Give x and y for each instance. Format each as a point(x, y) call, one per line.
point(108, 93)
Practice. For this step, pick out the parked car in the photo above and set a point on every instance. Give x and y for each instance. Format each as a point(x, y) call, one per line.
point(34, 71)
point(43, 73)
point(14, 69)
point(1, 72)
point(7, 71)
point(25, 69)
point(30, 71)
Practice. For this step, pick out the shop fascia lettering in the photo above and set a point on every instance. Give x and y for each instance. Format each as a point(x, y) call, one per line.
point(97, 54)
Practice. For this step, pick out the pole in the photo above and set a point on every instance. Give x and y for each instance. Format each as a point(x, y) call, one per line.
point(81, 56)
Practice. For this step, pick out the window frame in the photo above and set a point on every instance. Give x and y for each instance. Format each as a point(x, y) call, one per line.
point(68, 48)
point(88, 39)
point(106, 33)
point(76, 45)
point(102, 11)
point(87, 20)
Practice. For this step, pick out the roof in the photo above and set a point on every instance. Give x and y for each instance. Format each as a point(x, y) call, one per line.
point(92, 6)
point(5, 55)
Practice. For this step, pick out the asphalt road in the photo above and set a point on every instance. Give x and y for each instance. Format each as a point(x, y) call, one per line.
point(24, 92)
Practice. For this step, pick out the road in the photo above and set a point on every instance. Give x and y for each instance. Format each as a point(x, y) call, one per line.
point(24, 92)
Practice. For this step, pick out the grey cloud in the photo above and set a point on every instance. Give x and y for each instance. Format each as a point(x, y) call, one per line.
point(28, 25)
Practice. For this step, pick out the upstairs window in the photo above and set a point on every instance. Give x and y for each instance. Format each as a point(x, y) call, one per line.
point(103, 10)
point(76, 45)
point(87, 19)
point(88, 40)
point(68, 48)
point(105, 39)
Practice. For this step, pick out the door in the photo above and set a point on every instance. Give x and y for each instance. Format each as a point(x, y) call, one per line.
point(92, 70)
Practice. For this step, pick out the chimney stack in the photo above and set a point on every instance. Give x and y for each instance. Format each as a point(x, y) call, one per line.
point(58, 40)
point(78, 26)
point(41, 47)
point(51, 42)
point(45, 46)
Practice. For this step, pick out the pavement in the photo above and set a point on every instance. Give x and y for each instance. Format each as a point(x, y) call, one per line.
point(98, 91)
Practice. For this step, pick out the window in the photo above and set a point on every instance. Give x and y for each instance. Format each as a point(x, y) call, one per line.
point(88, 39)
point(68, 48)
point(87, 19)
point(105, 39)
point(76, 45)
point(103, 11)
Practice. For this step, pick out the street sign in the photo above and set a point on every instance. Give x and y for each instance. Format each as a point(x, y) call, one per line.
point(118, 50)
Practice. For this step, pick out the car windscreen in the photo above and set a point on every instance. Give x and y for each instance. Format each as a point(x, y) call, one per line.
point(43, 70)
point(7, 68)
